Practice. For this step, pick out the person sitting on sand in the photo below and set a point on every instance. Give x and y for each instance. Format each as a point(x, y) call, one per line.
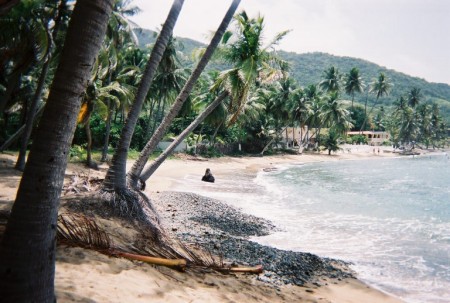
point(208, 177)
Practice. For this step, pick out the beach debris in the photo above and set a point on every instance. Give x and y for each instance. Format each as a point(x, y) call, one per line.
point(258, 269)
point(179, 264)
point(81, 182)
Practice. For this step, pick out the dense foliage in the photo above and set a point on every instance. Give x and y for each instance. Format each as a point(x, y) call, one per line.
point(321, 94)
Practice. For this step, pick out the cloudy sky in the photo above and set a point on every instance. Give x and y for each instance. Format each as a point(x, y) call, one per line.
point(410, 36)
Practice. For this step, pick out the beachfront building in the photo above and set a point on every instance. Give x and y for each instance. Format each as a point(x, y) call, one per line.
point(374, 138)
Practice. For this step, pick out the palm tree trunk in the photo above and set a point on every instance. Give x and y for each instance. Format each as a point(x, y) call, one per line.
point(89, 162)
point(213, 139)
point(20, 131)
point(107, 130)
point(366, 115)
point(27, 250)
point(293, 135)
point(20, 164)
point(160, 159)
point(139, 164)
point(157, 116)
point(116, 175)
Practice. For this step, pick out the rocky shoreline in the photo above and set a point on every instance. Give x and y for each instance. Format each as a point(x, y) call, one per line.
point(225, 231)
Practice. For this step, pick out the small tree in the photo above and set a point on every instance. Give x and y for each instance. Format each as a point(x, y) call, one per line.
point(331, 142)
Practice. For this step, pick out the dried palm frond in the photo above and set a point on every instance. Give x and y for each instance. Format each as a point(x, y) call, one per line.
point(81, 231)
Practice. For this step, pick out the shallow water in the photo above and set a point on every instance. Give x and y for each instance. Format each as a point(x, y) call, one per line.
point(389, 217)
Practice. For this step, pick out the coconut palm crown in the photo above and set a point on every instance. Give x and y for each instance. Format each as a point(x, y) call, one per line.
point(252, 62)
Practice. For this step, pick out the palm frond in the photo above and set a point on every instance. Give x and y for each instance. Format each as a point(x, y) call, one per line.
point(81, 231)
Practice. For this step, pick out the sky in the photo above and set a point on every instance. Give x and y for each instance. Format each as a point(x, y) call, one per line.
point(409, 36)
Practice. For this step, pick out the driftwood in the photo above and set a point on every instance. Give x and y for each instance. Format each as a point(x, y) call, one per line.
point(248, 270)
point(179, 264)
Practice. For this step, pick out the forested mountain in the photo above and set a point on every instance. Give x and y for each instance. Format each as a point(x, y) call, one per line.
point(308, 69)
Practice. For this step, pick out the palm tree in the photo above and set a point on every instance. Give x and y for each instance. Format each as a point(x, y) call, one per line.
point(408, 126)
point(334, 115)
point(27, 250)
point(380, 87)
point(353, 83)
point(313, 96)
point(279, 103)
point(302, 110)
point(116, 175)
point(251, 63)
point(24, 42)
point(58, 19)
point(139, 164)
point(414, 97)
point(167, 83)
point(331, 142)
point(331, 80)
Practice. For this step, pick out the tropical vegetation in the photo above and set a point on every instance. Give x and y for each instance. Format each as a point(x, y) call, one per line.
point(121, 96)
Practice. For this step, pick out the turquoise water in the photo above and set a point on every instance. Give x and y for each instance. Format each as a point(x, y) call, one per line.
point(389, 217)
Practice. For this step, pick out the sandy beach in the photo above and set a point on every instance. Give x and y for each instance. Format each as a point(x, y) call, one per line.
point(87, 276)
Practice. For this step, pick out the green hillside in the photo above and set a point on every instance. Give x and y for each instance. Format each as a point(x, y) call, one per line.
point(308, 68)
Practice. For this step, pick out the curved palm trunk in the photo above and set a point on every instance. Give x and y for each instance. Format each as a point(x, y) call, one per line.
point(139, 164)
point(27, 251)
point(160, 159)
point(116, 175)
point(31, 116)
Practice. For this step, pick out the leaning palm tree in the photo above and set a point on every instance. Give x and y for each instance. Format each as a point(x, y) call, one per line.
point(159, 133)
point(116, 176)
point(251, 63)
point(27, 250)
point(353, 83)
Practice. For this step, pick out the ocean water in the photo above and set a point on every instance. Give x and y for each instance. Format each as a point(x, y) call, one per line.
point(389, 217)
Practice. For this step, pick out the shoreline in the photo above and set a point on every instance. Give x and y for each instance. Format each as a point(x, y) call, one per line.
point(73, 263)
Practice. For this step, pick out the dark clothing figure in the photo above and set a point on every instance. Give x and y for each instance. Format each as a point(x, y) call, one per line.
point(208, 177)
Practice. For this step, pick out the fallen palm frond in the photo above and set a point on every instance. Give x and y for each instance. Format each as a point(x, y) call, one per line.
point(82, 231)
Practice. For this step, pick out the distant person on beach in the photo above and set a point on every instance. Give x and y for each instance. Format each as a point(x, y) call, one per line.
point(208, 177)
